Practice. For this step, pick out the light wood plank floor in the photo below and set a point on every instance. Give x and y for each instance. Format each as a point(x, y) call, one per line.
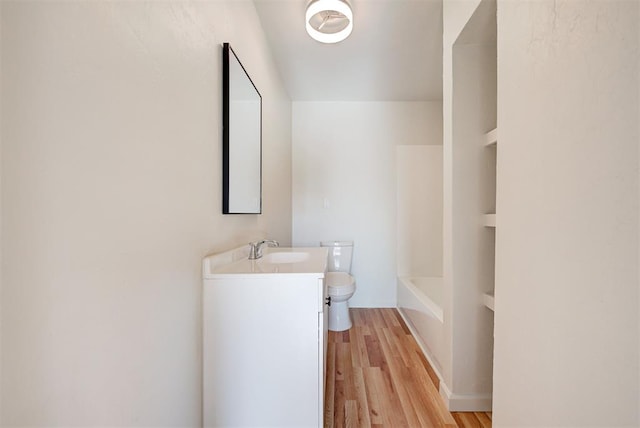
point(377, 376)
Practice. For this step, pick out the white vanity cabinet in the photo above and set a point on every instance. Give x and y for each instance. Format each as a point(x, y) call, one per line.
point(264, 339)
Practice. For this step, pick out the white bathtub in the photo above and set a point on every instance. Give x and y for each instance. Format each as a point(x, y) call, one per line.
point(420, 304)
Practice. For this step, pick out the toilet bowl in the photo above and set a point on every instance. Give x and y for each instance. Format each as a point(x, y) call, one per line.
point(340, 284)
point(341, 287)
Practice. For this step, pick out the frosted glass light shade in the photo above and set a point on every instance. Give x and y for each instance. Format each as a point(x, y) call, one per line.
point(320, 6)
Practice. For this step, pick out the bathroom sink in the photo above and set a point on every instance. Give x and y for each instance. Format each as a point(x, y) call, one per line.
point(278, 257)
point(274, 261)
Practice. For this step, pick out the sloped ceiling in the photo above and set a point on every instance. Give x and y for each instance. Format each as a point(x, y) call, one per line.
point(393, 54)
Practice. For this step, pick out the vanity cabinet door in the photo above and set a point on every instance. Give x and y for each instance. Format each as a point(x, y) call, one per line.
point(261, 352)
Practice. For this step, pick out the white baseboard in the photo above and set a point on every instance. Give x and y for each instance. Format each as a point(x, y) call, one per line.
point(465, 402)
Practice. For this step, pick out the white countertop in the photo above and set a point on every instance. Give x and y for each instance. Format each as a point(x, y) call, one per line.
point(234, 263)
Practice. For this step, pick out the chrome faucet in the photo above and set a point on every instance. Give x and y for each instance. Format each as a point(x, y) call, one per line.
point(255, 248)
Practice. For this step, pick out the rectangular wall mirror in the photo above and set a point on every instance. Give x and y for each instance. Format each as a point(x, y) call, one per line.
point(241, 138)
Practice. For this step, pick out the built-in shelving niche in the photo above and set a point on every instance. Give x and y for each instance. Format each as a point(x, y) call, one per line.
point(470, 202)
point(490, 142)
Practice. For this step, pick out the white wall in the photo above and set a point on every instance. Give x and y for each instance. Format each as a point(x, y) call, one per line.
point(567, 283)
point(111, 195)
point(419, 210)
point(344, 181)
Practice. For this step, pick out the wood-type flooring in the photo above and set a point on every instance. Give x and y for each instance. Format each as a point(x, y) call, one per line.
point(377, 376)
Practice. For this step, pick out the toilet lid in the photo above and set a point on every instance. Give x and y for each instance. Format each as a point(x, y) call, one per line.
point(340, 283)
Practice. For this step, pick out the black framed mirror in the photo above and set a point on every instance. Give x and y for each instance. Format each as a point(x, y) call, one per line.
point(241, 138)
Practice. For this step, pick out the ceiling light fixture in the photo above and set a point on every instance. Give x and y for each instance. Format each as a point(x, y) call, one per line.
point(329, 21)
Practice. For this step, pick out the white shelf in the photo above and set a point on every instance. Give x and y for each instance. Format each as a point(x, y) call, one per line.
point(491, 138)
point(489, 220)
point(488, 300)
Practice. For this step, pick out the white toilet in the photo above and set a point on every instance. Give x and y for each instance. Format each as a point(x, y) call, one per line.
point(340, 284)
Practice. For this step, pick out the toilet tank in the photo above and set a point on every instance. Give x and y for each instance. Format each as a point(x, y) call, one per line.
point(340, 253)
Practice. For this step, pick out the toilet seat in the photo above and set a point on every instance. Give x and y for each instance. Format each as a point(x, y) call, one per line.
point(340, 283)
